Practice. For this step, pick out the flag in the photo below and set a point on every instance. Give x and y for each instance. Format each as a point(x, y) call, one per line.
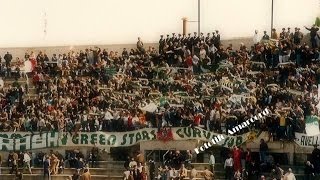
point(151, 107)
point(165, 134)
point(312, 125)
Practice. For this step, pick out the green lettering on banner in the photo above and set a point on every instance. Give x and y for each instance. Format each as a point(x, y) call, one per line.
point(93, 138)
point(153, 132)
point(131, 138)
point(138, 137)
point(196, 133)
point(309, 141)
point(239, 141)
point(188, 134)
point(23, 144)
point(302, 140)
point(225, 141)
point(52, 139)
point(17, 136)
point(124, 139)
point(84, 139)
point(4, 144)
point(145, 135)
point(25, 141)
point(102, 139)
point(75, 139)
point(4, 135)
point(178, 132)
point(231, 142)
point(112, 140)
point(206, 134)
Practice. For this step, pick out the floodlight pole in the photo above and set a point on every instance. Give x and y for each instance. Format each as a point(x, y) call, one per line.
point(198, 17)
point(271, 16)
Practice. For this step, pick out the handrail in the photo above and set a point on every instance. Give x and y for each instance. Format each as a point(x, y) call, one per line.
point(149, 154)
point(163, 157)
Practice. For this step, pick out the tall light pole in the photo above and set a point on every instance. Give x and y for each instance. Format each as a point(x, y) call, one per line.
point(185, 20)
point(271, 16)
point(199, 17)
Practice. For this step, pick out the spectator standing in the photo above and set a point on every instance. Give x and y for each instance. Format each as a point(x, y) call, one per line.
point(263, 150)
point(212, 162)
point(86, 175)
point(316, 158)
point(19, 176)
point(75, 175)
point(126, 163)
point(274, 34)
point(140, 46)
point(265, 36)
point(94, 156)
point(228, 166)
point(193, 173)
point(0, 162)
point(173, 174)
point(1, 82)
point(7, 57)
point(140, 158)
point(152, 169)
point(46, 168)
point(313, 35)
point(256, 38)
point(297, 36)
point(289, 175)
point(207, 174)
point(14, 162)
point(237, 159)
point(237, 175)
point(309, 171)
point(126, 174)
point(26, 161)
point(279, 172)
point(136, 173)
point(183, 172)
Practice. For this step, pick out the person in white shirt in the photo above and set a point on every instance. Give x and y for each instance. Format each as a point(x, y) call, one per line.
point(1, 82)
point(228, 166)
point(173, 174)
point(212, 161)
point(139, 166)
point(132, 163)
point(193, 173)
point(26, 161)
point(202, 53)
point(256, 38)
point(289, 175)
point(126, 174)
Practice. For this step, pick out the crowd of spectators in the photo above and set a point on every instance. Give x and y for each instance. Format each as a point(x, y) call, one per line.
point(187, 81)
point(53, 163)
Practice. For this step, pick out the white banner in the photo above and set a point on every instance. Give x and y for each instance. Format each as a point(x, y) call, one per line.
point(304, 140)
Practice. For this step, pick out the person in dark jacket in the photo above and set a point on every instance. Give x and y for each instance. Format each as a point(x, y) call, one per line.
point(313, 35)
point(46, 168)
point(7, 57)
point(152, 169)
point(75, 176)
point(309, 171)
point(263, 150)
point(136, 173)
point(126, 163)
point(316, 158)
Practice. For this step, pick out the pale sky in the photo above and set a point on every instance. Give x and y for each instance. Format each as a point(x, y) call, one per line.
point(75, 22)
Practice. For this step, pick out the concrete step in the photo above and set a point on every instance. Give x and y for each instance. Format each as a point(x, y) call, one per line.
point(219, 167)
point(57, 177)
point(93, 171)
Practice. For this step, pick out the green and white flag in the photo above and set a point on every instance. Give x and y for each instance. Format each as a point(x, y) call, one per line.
point(312, 125)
